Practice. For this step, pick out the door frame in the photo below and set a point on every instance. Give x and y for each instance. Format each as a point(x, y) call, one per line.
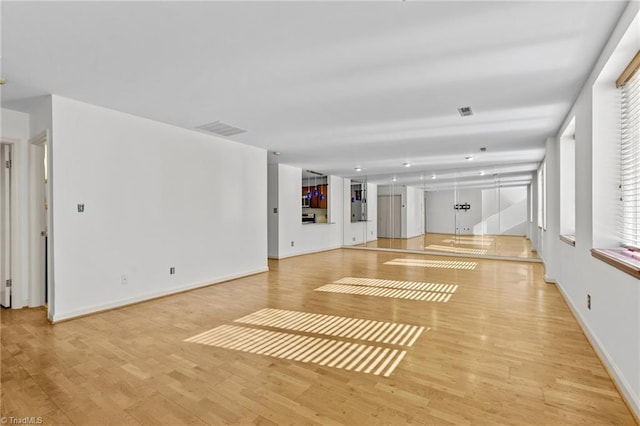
point(17, 298)
point(36, 288)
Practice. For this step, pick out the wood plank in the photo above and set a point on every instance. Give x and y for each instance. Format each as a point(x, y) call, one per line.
point(504, 349)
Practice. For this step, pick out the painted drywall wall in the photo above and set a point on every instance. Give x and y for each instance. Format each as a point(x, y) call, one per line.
point(613, 322)
point(493, 211)
point(414, 212)
point(272, 210)
point(468, 221)
point(155, 197)
point(440, 214)
point(442, 218)
point(372, 220)
point(294, 238)
point(15, 128)
point(504, 211)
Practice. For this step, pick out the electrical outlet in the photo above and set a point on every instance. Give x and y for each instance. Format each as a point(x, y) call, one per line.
point(172, 270)
point(291, 243)
point(589, 301)
point(124, 279)
point(354, 238)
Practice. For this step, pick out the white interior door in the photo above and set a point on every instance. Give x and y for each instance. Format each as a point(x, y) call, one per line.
point(389, 216)
point(5, 225)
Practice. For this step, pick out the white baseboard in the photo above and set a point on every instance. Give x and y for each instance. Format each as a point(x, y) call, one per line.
point(302, 253)
point(148, 296)
point(549, 280)
point(632, 400)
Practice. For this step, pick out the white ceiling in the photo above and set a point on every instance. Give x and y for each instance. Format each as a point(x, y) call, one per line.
point(330, 85)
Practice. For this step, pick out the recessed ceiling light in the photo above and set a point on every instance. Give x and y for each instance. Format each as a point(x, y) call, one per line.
point(433, 177)
point(358, 169)
point(482, 173)
point(393, 179)
point(469, 158)
point(407, 164)
point(275, 152)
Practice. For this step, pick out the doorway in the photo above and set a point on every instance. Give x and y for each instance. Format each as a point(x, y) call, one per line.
point(38, 220)
point(389, 216)
point(6, 235)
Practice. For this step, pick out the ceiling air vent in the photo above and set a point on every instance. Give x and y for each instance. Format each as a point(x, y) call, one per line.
point(465, 111)
point(220, 128)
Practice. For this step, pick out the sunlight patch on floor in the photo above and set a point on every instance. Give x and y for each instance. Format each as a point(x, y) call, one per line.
point(333, 353)
point(332, 325)
point(444, 264)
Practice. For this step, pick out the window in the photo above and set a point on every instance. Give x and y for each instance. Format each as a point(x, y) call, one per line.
point(627, 224)
point(630, 163)
point(568, 184)
point(542, 196)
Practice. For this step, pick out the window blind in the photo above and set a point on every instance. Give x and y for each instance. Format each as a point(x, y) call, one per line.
point(630, 163)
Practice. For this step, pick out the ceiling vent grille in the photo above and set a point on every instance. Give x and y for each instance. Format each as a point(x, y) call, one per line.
point(221, 129)
point(465, 111)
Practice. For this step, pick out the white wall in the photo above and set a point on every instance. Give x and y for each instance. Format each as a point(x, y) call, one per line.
point(371, 226)
point(272, 210)
point(308, 238)
point(504, 211)
point(613, 322)
point(14, 127)
point(156, 196)
point(493, 211)
point(469, 221)
point(550, 235)
point(440, 212)
point(414, 212)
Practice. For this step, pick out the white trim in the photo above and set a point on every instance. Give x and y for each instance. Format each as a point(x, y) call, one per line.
point(148, 296)
point(621, 383)
point(550, 280)
point(302, 253)
point(18, 298)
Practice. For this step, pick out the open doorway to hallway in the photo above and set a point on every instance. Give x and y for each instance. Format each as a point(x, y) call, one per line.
point(39, 220)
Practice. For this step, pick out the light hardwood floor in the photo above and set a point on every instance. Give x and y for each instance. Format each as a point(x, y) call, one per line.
point(492, 245)
point(503, 349)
